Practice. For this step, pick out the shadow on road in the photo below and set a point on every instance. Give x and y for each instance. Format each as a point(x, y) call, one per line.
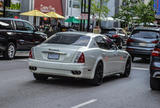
point(16, 58)
point(74, 83)
point(142, 61)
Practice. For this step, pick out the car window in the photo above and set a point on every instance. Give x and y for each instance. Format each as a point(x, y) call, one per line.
point(5, 24)
point(145, 34)
point(69, 39)
point(19, 25)
point(105, 43)
point(110, 43)
point(108, 31)
point(28, 26)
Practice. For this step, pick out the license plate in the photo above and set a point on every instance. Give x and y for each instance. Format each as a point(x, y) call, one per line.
point(53, 56)
point(142, 44)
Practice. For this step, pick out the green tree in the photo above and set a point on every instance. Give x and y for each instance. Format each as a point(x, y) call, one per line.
point(99, 8)
point(127, 12)
point(136, 12)
point(145, 12)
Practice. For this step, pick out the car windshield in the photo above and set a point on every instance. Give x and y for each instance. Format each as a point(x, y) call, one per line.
point(5, 24)
point(145, 34)
point(109, 31)
point(69, 39)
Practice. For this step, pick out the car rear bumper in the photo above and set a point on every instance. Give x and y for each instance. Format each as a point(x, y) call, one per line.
point(60, 69)
point(139, 52)
point(155, 69)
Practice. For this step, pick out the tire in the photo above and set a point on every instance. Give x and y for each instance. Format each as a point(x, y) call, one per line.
point(10, 51)
point(154, 83)
point(98, 76)
point(127, 68)
point(40, 77)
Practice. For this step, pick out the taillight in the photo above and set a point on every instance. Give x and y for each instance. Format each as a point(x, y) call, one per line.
point(156, 52)
point(31, 54)
point(81, 58)
point(130, 40)
point(155, 42)
point(115, 36)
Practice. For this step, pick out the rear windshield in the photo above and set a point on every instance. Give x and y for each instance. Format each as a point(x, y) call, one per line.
point(145, 34)
point(69, 39)
point(5, 25)
point(108, 31)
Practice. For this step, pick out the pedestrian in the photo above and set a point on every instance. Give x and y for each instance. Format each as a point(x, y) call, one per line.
point(59, 26)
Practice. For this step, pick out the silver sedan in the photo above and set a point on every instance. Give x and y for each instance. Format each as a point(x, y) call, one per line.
point(78, 55)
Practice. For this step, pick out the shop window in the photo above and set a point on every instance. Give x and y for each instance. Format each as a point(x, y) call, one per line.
point(76, 4)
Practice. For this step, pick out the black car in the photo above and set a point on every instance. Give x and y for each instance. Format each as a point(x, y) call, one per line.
point(117, 35)
point(18, 35)
point(155, 68)
point(142, 41)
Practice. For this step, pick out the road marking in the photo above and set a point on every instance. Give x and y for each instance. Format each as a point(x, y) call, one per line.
point(140, 68)
point(24, 60)
point(85, 103)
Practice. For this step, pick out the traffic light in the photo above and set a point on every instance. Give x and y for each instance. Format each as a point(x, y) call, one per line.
point(7, 3)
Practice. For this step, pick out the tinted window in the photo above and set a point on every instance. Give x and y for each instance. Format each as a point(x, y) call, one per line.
point(108, 31)
point(69, 39)
point(28, 27)
point(5, 24)
point(145, 34)
point(105, 43)
point(19, 25)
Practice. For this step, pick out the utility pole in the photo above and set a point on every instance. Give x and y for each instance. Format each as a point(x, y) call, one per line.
point(89, 14)
point(4, 8)
point(84, 13)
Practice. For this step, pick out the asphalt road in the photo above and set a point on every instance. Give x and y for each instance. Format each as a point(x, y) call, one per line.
point(18, 89)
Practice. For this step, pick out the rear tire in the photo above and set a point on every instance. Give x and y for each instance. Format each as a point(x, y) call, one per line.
point(154, 83)
point(10, 51)
point(40, 77)
point(127, 68)
point(98, 77)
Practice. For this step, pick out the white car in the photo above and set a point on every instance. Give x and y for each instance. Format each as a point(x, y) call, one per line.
point(78, 55)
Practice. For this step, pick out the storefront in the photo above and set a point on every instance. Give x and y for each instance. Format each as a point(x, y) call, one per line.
point(46, 6)
point(12, 11)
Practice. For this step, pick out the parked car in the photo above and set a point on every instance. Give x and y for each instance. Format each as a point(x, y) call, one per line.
point(18, 35)
point(117, 35)
point(155, 68)
point(142, 41)
point(78, 55)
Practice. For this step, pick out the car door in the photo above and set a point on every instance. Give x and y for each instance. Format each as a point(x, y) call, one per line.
point(113, 55)
point(108, 56)
point(25, 37)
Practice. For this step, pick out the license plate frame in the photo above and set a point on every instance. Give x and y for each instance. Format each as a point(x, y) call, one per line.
point(53, 56)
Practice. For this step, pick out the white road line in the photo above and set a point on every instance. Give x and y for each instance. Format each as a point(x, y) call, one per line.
point(85, 103)
point(140, 68)
point(24, 60)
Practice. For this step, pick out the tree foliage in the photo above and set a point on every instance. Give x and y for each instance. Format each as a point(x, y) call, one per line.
point(136, 12)
point(99, 8)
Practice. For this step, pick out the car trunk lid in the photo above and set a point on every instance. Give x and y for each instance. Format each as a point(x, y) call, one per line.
point(56, 52)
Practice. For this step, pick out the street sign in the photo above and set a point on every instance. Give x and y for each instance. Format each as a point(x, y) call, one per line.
point(84, 16)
